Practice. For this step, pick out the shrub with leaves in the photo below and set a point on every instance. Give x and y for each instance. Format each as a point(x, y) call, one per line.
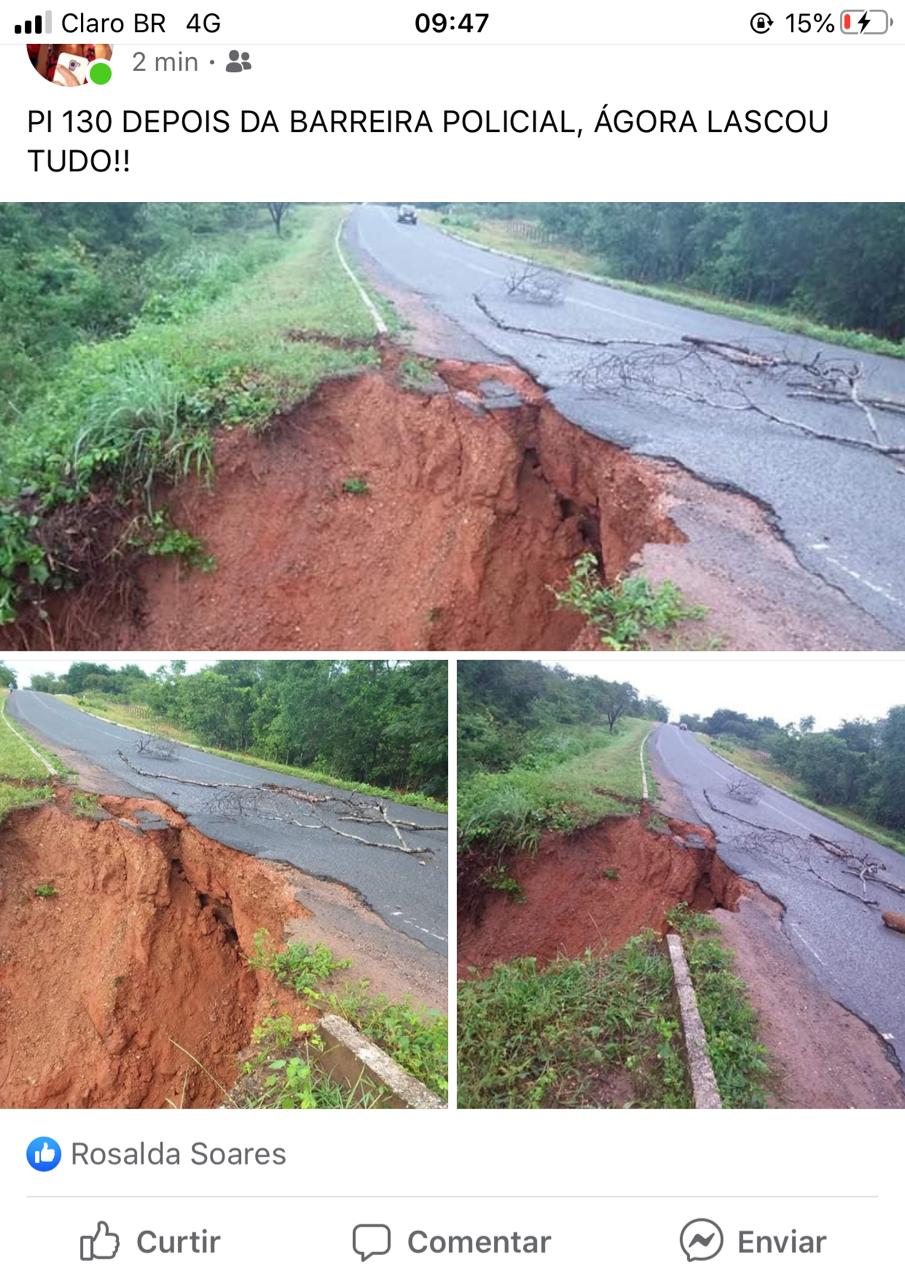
point(622, 613)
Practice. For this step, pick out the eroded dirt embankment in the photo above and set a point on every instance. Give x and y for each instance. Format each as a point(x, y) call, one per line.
point(596, 888)
point(479, 498)
point(142, 944)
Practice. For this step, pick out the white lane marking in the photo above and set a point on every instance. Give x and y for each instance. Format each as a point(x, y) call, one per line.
point(375, 314)
point(34, 751)
point(805, 942)
point(865, 582)
point(514, 257)
point(421, 929)
point(727, 777)
point(644, 791)
point(622, 315)
point(56, 708)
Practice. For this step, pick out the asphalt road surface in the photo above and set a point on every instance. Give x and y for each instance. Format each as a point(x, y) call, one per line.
point(407, 895)
point(838, 507)
point(840, 938)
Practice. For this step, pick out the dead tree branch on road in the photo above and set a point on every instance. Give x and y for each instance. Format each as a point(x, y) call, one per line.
point(799, 853)
point(744, 790)
point(157, 748)
point(534, 284)
point(723, 376)
point(271, 802)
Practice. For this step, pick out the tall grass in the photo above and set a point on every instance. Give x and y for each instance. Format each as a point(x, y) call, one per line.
point(562, 783)
point(217, 345)
point(601, 1030)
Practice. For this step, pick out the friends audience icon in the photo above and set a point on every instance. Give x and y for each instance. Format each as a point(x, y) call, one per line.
point(238, 62)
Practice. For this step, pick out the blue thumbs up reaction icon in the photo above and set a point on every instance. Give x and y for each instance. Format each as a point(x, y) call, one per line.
point(44, 1154)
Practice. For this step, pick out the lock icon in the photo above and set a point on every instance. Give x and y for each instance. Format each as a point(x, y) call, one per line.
point(761, 23)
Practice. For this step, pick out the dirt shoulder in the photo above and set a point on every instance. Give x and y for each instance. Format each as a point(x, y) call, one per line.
point(823, 1055)
point(395, 965)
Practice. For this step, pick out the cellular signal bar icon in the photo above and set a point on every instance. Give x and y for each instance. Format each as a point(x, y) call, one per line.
point(38, 26)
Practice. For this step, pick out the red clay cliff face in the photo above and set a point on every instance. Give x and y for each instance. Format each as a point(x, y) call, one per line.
point(143, 944)
point(596, 888)
point(472, 512)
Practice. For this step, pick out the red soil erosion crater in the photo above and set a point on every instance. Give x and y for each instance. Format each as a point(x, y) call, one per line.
point(143, 944)
point(595, 889)
point(479, 497)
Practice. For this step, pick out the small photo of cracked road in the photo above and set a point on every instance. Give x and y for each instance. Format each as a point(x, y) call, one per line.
point(241, 927)
point(681, 883)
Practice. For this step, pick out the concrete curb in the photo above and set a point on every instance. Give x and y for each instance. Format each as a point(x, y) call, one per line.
point(349, 1057)
point(703, 1081)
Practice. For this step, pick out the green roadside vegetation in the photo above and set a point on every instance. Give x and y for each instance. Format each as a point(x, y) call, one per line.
point(603, 1031)
point(285, 1070)
point(758, 763)
point(23, 778)
point(571, 779)
point(131, 334)
point(628, 612)
point(852, 773)
point(541, 749)
point(763, 263)
point(378, 727)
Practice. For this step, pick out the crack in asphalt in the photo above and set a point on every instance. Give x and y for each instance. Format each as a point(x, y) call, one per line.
point(793, 480)
point(388, 882)
point(873, 994)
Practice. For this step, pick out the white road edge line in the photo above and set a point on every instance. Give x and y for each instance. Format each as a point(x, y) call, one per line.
point(34, 751)
point(644, 791)
point(804, 940)
point(375, 314)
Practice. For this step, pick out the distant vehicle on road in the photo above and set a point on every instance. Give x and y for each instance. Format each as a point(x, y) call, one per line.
point(684, 727)
point(407, 213)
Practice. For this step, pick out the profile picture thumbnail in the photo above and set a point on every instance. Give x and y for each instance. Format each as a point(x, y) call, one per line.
point(67, 64)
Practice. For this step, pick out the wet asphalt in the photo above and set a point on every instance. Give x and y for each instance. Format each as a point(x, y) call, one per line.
point(409, 896)
point(840, 938)
point(840, 509)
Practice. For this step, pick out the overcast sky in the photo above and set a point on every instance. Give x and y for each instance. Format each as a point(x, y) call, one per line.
point(784, 686)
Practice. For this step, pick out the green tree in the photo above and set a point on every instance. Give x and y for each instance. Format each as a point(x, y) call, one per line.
point(888, 802)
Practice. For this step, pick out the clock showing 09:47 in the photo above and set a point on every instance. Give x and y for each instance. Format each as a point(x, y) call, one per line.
point(440, 23)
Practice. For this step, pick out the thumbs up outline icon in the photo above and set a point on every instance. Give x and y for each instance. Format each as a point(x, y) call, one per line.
point(103, 1244)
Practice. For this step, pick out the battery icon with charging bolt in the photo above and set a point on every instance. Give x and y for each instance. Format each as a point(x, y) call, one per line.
point(864, 22)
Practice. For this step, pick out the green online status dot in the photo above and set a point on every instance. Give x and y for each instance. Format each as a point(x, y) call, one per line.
point(101, 73)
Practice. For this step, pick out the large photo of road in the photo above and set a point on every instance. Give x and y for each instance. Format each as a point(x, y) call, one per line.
point(661, 907)
point(244, 864)
point(507, 427)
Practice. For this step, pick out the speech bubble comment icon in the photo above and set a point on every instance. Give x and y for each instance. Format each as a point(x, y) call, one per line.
point(701, 1240)
point(370, 1239)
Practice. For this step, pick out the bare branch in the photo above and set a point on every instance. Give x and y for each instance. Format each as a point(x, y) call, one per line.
point(271, 802)
point(533, 284)
point(719, 376)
